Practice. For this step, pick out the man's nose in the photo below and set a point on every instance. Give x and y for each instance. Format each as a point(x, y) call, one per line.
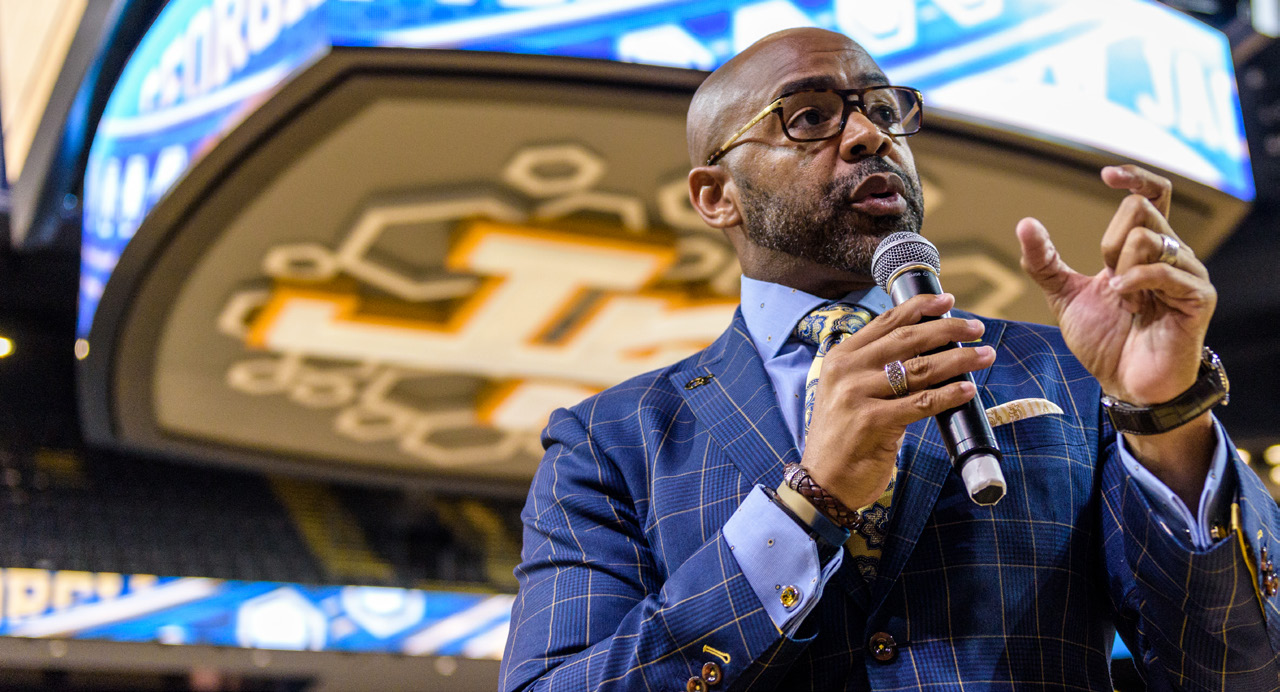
point(861, 138)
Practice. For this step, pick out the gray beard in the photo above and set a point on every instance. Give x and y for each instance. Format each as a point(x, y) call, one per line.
point(827, 232)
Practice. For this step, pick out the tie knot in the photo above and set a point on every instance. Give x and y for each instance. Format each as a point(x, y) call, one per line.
point(830, 324)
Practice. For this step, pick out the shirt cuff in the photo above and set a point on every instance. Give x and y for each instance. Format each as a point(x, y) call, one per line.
point(1171, 510)
point(779, 560)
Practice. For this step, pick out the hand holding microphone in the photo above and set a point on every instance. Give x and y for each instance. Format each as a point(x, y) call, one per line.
point(859, 420)
point(906, 265)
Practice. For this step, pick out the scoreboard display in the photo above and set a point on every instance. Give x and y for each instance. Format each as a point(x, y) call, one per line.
point(1129, 77)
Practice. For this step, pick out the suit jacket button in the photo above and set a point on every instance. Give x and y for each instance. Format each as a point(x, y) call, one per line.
point(711, 673)
point(883, 647)
point(695, 684)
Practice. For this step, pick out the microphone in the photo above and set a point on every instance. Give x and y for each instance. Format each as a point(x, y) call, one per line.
point(905, 265)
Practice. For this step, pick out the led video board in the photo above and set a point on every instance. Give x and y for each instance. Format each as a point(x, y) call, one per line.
point(255, 615)
point(1125, 76)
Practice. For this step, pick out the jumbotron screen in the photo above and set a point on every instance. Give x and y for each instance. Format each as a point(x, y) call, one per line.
point(1129, 77)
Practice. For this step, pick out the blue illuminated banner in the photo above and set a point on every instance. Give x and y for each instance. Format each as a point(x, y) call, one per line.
point(1129, 77)
point(260, 615)
point(200, 70)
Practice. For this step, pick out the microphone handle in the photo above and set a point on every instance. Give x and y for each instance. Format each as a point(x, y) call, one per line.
point(964, 429)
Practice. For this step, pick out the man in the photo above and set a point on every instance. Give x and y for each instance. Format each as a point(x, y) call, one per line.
point(664, 551)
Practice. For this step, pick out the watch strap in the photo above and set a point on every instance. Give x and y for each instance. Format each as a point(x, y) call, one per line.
point(1209, 390)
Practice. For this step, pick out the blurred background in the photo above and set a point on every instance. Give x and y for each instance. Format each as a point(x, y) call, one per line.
point(289, 287)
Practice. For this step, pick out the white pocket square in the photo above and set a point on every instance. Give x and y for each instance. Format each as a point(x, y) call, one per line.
point(1020, 409)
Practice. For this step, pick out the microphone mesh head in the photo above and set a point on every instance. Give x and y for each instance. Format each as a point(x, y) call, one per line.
point(901, 249)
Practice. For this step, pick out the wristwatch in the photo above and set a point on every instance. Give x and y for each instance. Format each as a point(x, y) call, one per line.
point(1210, 389)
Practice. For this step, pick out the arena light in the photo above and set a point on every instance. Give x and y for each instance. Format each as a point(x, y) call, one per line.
point(1245, 456)
point(1266, 17)
point(6, 347)
point(1275, 475)
point(1272, 455)
point(82, 349)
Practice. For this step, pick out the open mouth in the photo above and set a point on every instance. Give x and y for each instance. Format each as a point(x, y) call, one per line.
point(880, 194)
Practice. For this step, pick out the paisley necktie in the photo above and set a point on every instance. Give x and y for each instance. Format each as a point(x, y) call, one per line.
point(824, 328)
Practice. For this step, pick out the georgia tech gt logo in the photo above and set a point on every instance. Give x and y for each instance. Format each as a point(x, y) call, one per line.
point(536, 294)
point(528, 307)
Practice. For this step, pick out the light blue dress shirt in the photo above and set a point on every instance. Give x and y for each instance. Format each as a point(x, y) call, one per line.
point(774, 551)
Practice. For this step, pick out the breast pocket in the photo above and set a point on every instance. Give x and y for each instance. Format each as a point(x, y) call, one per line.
point(1047, 430)
point(1048, 466)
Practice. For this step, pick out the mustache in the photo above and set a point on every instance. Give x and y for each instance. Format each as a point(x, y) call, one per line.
point(842, 188)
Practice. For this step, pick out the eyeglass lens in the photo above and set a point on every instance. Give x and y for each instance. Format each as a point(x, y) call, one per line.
point(814, 115)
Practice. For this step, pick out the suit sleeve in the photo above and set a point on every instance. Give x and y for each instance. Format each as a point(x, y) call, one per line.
point(594, 613)
point(1196, 618)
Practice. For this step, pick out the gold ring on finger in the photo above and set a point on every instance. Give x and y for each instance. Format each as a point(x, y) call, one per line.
point(1169, 250)
point(897, 375)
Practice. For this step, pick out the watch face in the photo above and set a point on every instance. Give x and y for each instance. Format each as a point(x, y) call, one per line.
point(1215, 363)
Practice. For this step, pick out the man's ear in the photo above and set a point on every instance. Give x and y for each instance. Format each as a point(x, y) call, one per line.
point(711, 194)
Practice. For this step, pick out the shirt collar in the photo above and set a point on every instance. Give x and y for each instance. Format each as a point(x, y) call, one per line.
point(772, 311)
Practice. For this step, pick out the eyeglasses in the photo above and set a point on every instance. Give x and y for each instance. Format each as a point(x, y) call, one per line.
point(812, 115)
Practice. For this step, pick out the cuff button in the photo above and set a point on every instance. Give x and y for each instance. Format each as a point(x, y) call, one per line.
point(711, 673)
point(695, 684)
point(790, 597)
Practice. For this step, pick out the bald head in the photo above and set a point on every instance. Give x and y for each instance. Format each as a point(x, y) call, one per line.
point(735, 92)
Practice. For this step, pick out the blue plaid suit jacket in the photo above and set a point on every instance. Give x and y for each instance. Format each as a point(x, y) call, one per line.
point(627, 582)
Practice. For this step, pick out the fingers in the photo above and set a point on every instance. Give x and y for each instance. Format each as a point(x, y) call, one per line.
point(926, 371)
point(1134, 246)
point(1143, 246)
point(1135, 211)
point(911, 340)
point(908, 313)
point(1140, 181)
point(900, 335)
point(1176, 289)
point(930, 402)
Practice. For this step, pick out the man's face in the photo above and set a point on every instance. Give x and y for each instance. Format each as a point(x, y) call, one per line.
point(832, 201)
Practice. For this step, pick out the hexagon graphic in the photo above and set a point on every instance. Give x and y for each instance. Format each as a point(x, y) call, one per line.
point(281, 619)
point(383, 611)
point(353, 256)
point(522, 173)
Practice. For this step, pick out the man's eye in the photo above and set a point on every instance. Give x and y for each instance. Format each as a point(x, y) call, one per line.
point(810, 120)
point(884, 115)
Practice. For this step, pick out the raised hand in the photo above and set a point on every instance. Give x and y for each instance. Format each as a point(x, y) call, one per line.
point(1138, 324)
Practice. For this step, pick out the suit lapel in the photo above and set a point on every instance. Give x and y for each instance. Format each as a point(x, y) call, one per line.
point(729, 392)
point(731, 395)
point(923, 465)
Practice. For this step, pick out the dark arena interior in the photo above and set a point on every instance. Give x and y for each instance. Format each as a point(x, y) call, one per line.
point(289, 288)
